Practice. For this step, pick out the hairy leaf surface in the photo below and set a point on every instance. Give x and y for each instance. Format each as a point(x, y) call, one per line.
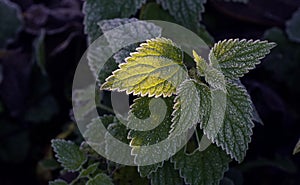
point(202, 168)
point(237, 57)
point(97, 10)
point(155, 69)
point(68, 154)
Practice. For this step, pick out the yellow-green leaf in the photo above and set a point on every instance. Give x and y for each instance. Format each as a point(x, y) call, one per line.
point(156, 69)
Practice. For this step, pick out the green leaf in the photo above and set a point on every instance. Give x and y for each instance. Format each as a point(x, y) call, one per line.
point(100, 179)
point(142, 31)
point(141, 138)
point(89, 170)
point(202, 168)
point(212, 76)
point(255, 116)
point(191, 105)
point(153, 11)
point(126, 174)
point(119, 132)
point(92, 135)
point(121, 55)
point(97, 10)
point(155, 69)
point(293, 27)
point(106, 70)
point(234, 134)
point(146, 113)
point(102, 49)
point(166, 175)
point(49, 164)
point(81, 98)
point(58, 182)
point(186, 12)
point(145, 30)
point(146, 171)
point(297, 148)
point(236, 57)
point(68, 154)
point(11, 21)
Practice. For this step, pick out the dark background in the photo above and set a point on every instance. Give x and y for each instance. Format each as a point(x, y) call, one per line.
point(35, 96)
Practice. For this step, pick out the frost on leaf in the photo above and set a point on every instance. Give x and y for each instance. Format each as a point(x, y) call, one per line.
point(94, 132)
point(166, 175)
point(100, 179)
point(68, 154)
point(116, 132)
point(236, 57)
point(89, 170)
point(128, 31)
point(140, 138)
point(155, 69)
point(191, 106)
point(151, 137)
point(58, 182)
point(212, 76)
point(148, 170)
point(97, 10)
point(190, 11)
point(297, 148)
point(202, 168)
point(234, 134)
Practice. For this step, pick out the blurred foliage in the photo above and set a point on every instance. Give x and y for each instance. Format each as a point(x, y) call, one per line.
point(11, 21)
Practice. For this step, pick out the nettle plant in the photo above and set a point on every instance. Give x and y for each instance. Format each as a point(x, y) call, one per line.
point(148, 74)
point(157, 69)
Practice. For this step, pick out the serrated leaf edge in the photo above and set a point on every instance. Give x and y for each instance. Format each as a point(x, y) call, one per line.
point(58, 158)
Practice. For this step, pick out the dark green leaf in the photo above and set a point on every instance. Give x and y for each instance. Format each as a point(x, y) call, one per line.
point(68, 154)
point(97, 10)
point(143, 30)
point(89, 170)
point(100, 179)
point(236, 57)
point(50, 164)
point(202, 168)
point(186, 12)
point(166, 175)
point(234, 135)
point(152, 11)
point(141, 138)
point(191, 106)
